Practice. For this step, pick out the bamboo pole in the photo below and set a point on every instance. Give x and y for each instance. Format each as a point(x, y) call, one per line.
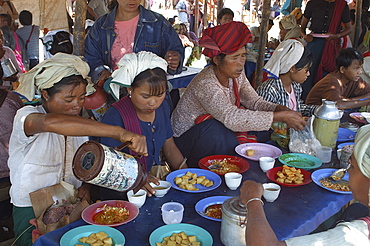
point(262, 42)
point(358, 23)
point(79, 28)
point(205, 14)
point(220, 5)
point(196, 14)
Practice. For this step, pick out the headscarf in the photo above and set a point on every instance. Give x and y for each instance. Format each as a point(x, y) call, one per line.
point(362, 151)
point(227, 39)
point(131, 65)
point(290, 23)
point(51, 71)
point(366, 67)
point(285, 56)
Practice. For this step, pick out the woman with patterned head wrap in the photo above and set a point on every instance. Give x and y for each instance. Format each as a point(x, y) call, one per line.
point(144, 111)
point(45, 137)
point(222, 94)
point(355, 232)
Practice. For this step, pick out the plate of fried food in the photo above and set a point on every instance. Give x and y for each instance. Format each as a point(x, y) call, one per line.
point(180, 234)
point(289, 176)
point(110, 213)
point(254, 151)
point(357, 116)
point(322, 178)
point(300, 160)
point(210, 207)
point(222, 164)
point(194, 180)
point(93, 234)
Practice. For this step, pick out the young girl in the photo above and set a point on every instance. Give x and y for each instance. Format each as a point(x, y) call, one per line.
point(144, 111)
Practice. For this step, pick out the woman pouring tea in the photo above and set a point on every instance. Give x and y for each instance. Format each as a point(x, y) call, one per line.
point(45, 137)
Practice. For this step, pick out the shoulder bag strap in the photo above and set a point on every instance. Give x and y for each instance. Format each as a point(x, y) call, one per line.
point(29, 37)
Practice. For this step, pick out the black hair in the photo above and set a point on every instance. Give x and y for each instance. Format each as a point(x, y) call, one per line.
point(156, 79)
point(347, 56)
point(221, 56)
point(306, 59)
point(223, 12)
point(25, 17)
point(61, 43)
point(171, 21)
point(7, 18)
point(74, 80)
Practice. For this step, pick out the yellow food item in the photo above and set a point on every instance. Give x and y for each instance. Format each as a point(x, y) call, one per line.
point(179, 239)
point(250, 152)
point(289, 175)
point(188, 181)
point(96, 239)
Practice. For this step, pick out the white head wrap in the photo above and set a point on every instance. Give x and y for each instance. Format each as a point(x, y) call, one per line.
point(131, 65)
point(366, 68)
point(50, 72)
point(285, 56)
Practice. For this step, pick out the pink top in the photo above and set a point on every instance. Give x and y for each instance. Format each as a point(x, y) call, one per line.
point(124, 42)
point(206, 95)
point(292, 99)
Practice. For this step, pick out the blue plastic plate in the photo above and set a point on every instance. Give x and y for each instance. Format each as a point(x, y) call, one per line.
point(202, 235)
point(324, 173)
point(345, 134)
point(70, 238)
point(201, 205)
point(340, 146)
point(299, 160)
point(200, 172)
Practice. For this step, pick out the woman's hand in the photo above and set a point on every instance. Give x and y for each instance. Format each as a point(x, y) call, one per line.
point(249, 190)
point(173, 59)
point(138, 142)
point(148, 187)
point(104, 75)
point(292, 118)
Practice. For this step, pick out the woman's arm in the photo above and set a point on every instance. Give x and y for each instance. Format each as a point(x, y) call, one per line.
point(173, 154)
point(258, 231)
point(70, 125)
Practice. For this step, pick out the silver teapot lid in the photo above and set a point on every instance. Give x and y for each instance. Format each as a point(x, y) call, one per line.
point(328, 110)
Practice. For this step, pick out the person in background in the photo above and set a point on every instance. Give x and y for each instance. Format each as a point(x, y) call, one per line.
point(297, 13)
point(45, 138)
point(188, 45)
point(97, 8)
point(288, 69)
point(219, 105)
point(8, 53)
point(9, 104)
point(30, 35)
point(182, 9)
point(355, 232)
point(57, 41)
point(225, 15)
point(345, 85)
point(326, 17)
point(7, 7)
point(128, 28)
point(144, 111)
point(289, 29)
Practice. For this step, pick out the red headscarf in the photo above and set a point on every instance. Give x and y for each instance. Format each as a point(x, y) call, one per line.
point(227, 38)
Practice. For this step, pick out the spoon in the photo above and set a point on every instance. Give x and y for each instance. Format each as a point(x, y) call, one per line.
point(339, 174)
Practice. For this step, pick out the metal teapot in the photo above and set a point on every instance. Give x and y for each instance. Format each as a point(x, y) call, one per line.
point(234, 220)
point(326, 123)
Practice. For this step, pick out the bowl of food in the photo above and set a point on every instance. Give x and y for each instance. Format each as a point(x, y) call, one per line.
point(110, 213)
point(222, 164)
point(289, 176)
point(162, 188)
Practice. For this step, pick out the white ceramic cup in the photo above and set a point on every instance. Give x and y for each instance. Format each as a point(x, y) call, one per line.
point(324, 153)
point(266, 163)
point(172, 212)
point(138, 198)
point(271, 191)
point(233, 180)
point(161, 189)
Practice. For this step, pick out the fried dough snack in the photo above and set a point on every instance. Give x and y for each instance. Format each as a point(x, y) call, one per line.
point(188, 181)
point(96, 239)
point(179, 239)
point(289, 175)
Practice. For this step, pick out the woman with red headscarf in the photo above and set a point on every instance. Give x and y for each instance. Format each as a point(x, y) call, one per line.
point(220, 101)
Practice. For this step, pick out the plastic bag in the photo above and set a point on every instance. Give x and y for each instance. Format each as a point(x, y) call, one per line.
point(280, 134)
point(304, 141)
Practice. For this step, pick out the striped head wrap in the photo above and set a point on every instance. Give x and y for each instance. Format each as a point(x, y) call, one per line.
point(227, 39)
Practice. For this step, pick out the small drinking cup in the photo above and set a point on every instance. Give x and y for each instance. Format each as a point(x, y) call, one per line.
point(138, 198)
point(324, 153)
point(162, 188)
point(233, 180)
point(266, 163)
point(271, 191)
point(172, 212)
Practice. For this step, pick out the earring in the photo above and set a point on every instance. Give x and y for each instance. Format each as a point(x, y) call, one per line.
point(129, 94)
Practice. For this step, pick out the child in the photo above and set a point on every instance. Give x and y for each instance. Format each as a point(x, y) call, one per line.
point(345, 86)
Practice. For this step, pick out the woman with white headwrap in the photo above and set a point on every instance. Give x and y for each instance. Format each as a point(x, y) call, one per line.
point(143, 111)
point(287, 69)
point(46, 137)
point(355, 232)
